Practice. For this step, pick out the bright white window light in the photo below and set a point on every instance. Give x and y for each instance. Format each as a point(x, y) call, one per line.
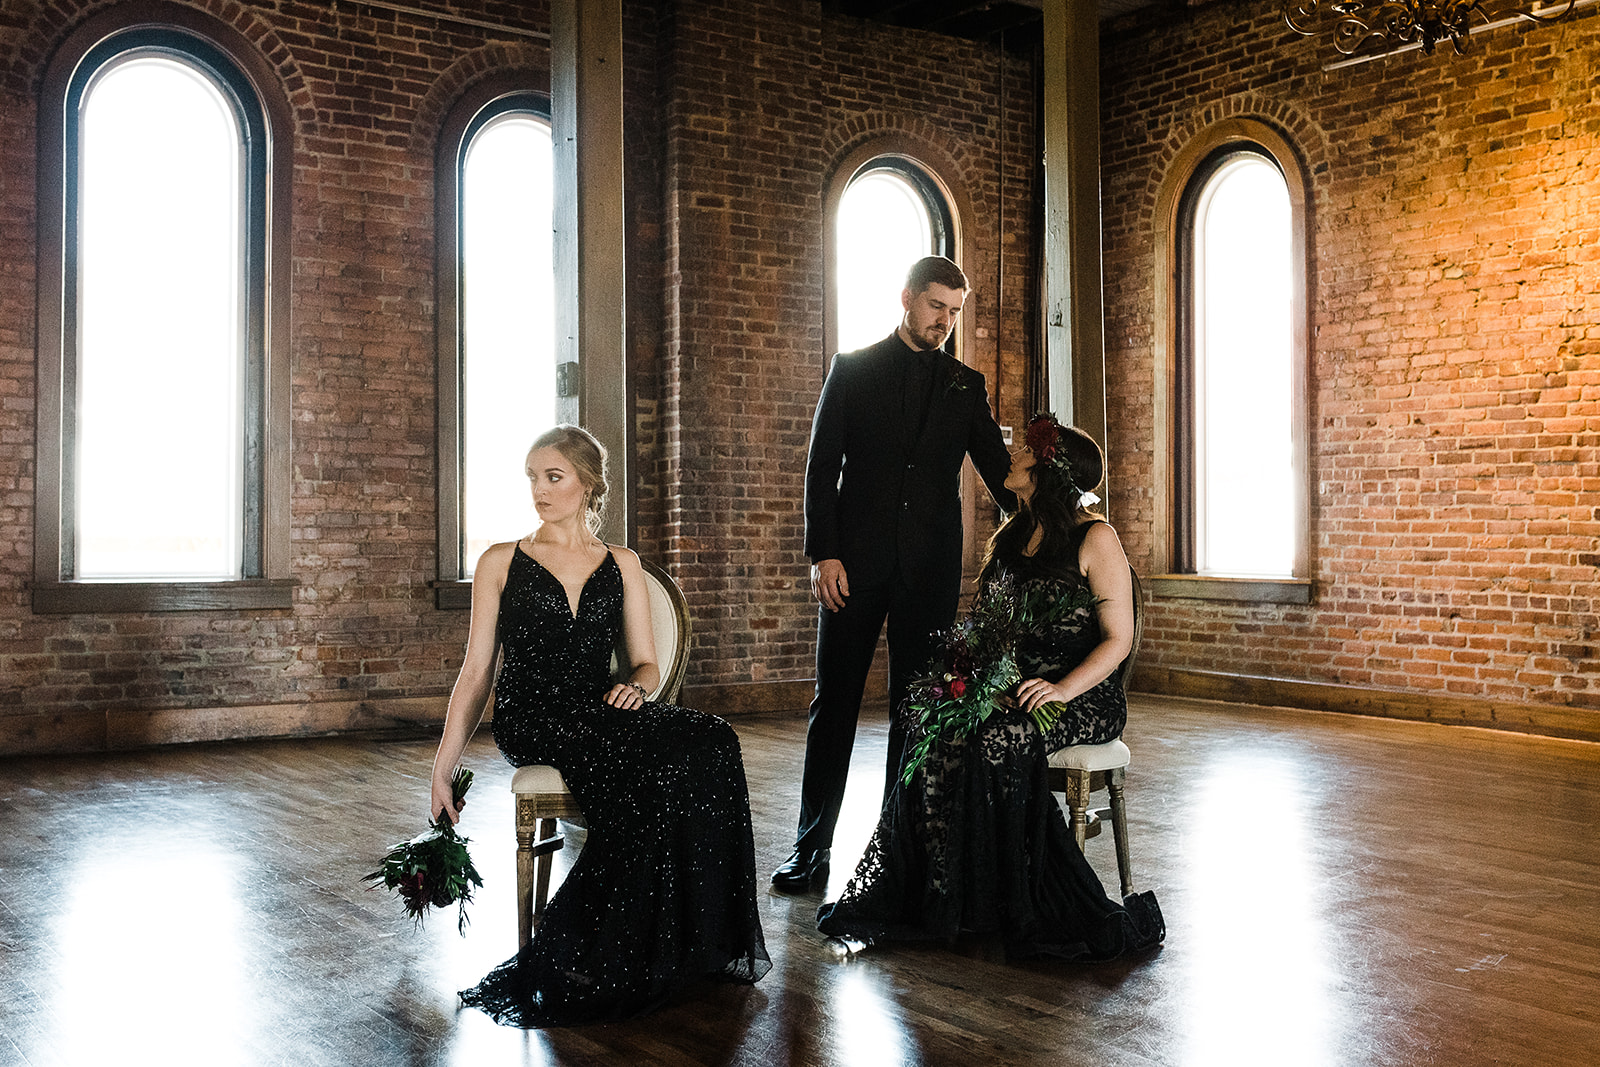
point(507, 322)
point(1244, 504)
point(883, 226)
point(159, 403)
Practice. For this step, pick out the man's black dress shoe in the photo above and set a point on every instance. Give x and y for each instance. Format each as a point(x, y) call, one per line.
point(798, 871)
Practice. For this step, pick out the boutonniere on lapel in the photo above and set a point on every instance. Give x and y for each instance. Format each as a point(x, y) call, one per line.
point(954, 380)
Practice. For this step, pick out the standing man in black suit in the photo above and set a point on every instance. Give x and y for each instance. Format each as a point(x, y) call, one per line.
point(883, 530)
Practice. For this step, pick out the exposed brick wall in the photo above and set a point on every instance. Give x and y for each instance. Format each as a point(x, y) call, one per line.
point(367, 89)
point(643, 93)
point(1455, 376)
point(22, 650)
point(735, 114)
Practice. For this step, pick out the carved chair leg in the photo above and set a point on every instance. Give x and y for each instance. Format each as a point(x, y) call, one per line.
point(547, 830)
point(1078, 804)
point(525, 863)
point(1119, 828)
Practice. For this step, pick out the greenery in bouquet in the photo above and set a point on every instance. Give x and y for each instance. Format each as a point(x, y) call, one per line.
point(433, 869)
point(976, 664)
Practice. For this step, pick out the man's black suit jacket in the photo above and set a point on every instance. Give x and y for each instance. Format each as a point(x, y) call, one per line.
point(883, 495)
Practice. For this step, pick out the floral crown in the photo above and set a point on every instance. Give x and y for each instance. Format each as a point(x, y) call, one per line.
point(1043, 438)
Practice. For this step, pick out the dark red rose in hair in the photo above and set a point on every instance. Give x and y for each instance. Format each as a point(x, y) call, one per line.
point(1041, 438)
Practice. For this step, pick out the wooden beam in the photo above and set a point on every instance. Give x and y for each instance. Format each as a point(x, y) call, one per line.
point(1074, 335)
point(586, 123)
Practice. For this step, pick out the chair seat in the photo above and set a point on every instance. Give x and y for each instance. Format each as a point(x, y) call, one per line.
point(1106, 757)
point(538, 778)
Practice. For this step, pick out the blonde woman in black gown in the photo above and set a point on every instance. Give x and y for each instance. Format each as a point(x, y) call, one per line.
point(976, 841)
point(662, 894)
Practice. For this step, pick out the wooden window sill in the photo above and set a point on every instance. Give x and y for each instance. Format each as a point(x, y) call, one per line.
point(1217, 587)
point(452, 594)
point(92, 597)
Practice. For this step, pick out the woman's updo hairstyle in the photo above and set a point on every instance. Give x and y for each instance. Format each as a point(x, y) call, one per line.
point(588, 458)
point(1067, 464)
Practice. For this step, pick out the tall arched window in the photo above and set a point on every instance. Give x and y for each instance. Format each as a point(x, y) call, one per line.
point(891, 214)
point(160, 353)
point(507, 322)
point(160, 394)
point(498, 372)
point(1232, 362)
point(888, 202)
point(1240, 368)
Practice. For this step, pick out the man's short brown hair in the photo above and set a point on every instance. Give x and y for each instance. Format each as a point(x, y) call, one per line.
point(935, 270)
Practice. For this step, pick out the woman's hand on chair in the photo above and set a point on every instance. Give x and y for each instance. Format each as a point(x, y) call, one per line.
point(625, 695)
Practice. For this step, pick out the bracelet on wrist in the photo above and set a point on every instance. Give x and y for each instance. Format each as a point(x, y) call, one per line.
point(637, 688)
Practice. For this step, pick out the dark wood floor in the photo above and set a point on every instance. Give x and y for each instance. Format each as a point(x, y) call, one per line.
point(1337, 891)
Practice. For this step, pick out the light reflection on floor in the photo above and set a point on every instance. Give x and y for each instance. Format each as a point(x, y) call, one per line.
point(1261, 984)
point(867, 1031)
point(473, 1039)
point(151, 934)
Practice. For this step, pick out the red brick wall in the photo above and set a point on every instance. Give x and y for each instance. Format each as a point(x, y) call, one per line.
point(1455, 374)
point(736, 113)
point(367, 89)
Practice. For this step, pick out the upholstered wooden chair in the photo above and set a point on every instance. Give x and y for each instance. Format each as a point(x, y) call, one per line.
point(542, 800)
point(1082, 770)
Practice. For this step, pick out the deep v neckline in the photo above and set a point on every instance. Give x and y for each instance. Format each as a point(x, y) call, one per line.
point(573, 612)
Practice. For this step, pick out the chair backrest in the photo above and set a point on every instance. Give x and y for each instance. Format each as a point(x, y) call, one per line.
point(1125, 672)
point(669, 619)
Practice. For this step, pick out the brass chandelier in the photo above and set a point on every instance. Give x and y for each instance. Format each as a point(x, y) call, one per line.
point(1403, 22)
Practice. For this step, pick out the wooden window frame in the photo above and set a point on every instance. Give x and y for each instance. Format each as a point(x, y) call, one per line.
point(480, 104)
point(1173, 401)
point(898, 155)
point(199, 38)
point(934, 175)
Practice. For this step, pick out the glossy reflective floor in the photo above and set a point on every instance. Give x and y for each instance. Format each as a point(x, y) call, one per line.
point(1337, 891)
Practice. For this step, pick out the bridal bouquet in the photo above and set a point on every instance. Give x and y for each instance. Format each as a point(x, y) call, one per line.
point(433, 869)
point(977, 665)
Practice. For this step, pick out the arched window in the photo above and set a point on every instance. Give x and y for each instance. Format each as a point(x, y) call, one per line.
point(1232, 364)
point(1240, 368)
point(498, 371)
point(159, 390)
point(889, 202)
point(891, 214)
point(160, 353)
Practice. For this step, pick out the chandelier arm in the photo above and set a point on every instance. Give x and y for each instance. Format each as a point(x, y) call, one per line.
point(1305, 10)
point(1420, 23)
point(1547, 19)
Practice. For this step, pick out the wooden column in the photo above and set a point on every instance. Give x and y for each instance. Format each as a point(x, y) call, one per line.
point(586, 122)
point(1074, 334)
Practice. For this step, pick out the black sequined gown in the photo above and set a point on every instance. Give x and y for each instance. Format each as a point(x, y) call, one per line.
point(663, 892)
point(977, 842)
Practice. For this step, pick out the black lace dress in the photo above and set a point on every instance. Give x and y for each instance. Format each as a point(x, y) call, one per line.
point(663, 892)
point(978, 843)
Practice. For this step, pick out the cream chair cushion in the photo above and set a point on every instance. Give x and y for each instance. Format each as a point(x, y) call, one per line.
point(1092, 757)
point(537, 779)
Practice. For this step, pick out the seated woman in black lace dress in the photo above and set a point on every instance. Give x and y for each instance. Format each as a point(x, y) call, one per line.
point(663, 892)
point(975, 841)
